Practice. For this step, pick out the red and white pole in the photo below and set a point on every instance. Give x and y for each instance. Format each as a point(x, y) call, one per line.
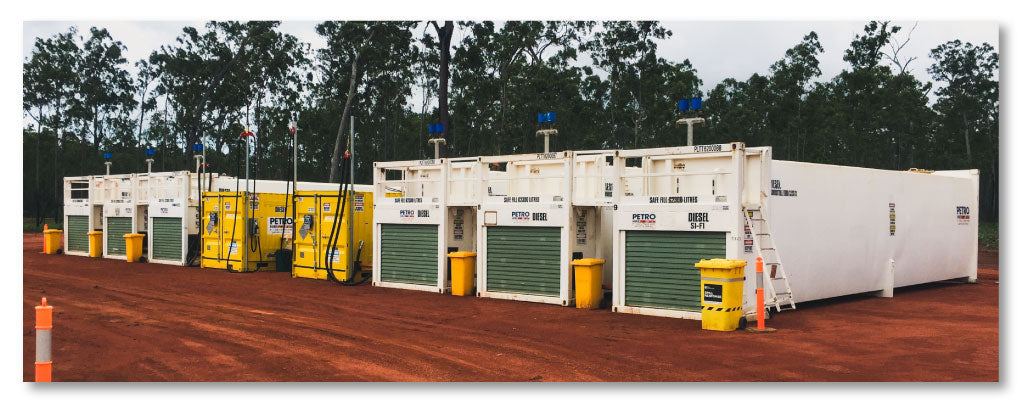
point(44, 328)
point(760, 294)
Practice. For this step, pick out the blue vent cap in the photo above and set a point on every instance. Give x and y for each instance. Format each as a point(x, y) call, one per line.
point(107, 156)
point(542, 118)
point(695, 103)
point(551, 116)
point(684, 105)
point(150, 152)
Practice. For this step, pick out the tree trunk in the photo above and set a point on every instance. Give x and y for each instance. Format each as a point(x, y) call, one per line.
point(339, 140)
point(35, 185)
point(967, 139)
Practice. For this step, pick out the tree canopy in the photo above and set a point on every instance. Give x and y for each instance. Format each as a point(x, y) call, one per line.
point(606, 81)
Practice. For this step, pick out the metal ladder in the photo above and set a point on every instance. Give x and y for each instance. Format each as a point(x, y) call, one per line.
point(774, 271)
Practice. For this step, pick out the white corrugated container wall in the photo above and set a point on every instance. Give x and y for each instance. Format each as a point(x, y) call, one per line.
point(461, 200)
point(119, 212)
point(836, 230)
point(409, 220)
point(174, 218)
point(593, 181)
point(83, 210)
point(525, 235)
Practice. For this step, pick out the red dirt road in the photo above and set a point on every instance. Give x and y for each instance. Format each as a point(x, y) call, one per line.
point(115, 321)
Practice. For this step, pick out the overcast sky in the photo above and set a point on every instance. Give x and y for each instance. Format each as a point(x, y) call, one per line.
point(717, 49)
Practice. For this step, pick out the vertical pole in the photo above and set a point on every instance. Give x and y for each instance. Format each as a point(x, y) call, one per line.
point(760, 294)
point(295, 155)
point(44, 329)
point(547, 143)
point(351, 193)
point(247, 161)
point(295, 178)
point(689, 133)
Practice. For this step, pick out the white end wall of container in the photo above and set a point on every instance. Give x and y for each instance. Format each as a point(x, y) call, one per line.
point(831, 225)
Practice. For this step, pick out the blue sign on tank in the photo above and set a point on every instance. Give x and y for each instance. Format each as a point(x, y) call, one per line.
point(696, 103)
point(150, 152)
point(107, 156)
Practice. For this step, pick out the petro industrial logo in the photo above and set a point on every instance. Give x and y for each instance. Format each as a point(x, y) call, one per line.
point(644, 220)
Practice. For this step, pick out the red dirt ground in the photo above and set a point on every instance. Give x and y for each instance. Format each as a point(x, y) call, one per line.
point(115, 321)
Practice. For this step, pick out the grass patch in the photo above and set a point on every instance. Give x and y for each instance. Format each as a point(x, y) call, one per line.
point(988, 235)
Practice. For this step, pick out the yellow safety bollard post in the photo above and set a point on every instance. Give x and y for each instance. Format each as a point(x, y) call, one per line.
point(44, 328)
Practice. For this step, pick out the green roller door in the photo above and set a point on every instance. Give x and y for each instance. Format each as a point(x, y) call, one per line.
point(166, 238)
point(524, 259)
point(116, 228)
point(408, 253)
point(78, 233)
point(660, 268)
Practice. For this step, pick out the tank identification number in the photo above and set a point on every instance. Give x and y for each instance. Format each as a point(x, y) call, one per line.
point(408, 199)
point(697, 220)
point(778, 191)
point(522, 199)
point(672, 199)
point(963, 215)
point(644, 220)
point(706, 148)
point(542, 156)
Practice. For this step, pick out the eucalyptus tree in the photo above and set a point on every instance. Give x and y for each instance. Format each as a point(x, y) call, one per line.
point(50, 82)
point(105, 94)
point(968, 108)
point(365, 70)
point(639, 107)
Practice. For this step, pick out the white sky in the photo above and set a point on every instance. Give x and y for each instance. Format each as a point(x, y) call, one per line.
point(717, 49)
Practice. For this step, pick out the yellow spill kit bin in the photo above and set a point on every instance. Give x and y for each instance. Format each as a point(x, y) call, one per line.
point(588, 282)
point(52, 239)
point(96, 244)
point(133, 246)
point(463, 272)
point(721, 283)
